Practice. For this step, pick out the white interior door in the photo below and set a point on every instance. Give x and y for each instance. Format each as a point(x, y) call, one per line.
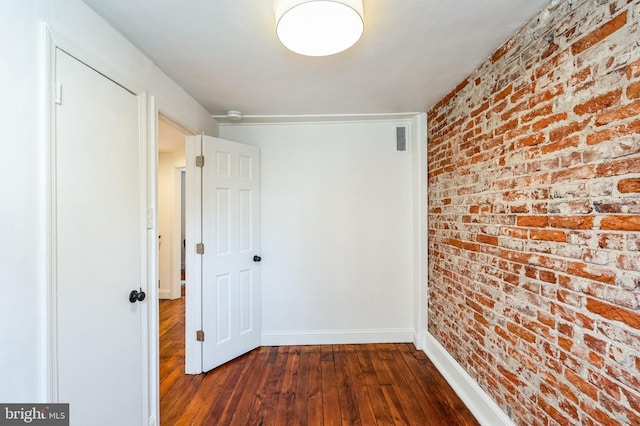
point(98, 232)
point(230, 264)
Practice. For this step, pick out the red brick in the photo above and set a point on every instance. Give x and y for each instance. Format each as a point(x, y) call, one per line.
point(619, 131)
point(598, 345)
point(504, 335)
point(596, 360)
point(531, 229)
point(626, 186)
point(599, 137)
point(521, 332)
point(599, 34)
point(619, 167)
point(547, 121)
point(544, 111)
point(503, 93)
point(546, 67)
point(536, 221)
point(571, 222)
point(523, 208)
point(522, 92)
point(553, 413)
point(582, 385)
point(580, 77)
point(480, 109)
point(502, 50)
point(473, 305)
point(545, 235)
point(619, 113)
point(591, 272)
point(547, 95)
point(633, 91)
point(487, 239)
point(550, 50)
point(532, 140)
point(633, 398)
point(565, 343)
point(510, 376)
point(620, 223)
point(598, 103)
point(480, 319)
point(509, 113)
point(605, 385)
point(547, 320)
point(548, 277)
point(560, 145)
point(564, 131)
point(601, 418)
point(614, 313)
point(570, 409)
point(505, 127)
point(584, 172)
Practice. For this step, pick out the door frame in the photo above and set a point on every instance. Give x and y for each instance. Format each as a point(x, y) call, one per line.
point(193, 262)
point(147, 118)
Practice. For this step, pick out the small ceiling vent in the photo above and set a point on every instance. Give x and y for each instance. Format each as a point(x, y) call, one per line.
point(234, 115)
point(401, 138)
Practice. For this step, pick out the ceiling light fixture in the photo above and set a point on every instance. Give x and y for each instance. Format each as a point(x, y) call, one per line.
point(319, 27)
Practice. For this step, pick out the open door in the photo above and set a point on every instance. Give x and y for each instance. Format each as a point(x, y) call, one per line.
point(229, 177)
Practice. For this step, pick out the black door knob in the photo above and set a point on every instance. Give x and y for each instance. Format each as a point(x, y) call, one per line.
point(257, 258)
point(137, 296)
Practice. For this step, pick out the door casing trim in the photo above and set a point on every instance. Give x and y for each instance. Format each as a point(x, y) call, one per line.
point(147, 119)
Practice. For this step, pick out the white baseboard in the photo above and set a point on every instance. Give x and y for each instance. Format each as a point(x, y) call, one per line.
point(164, 293)
point(483, 407)
point(418, 340)
point(336, 337)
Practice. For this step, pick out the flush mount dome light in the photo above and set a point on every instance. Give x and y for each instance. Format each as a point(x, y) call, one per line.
point(319, 27)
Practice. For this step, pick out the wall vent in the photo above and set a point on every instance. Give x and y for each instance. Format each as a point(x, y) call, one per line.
point(401, 138)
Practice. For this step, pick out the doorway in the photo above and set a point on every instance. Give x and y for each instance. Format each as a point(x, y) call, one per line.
point(171, 243)
point(171, 239)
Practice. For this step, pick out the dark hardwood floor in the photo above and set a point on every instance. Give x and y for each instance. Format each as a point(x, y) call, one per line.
point(373, 384)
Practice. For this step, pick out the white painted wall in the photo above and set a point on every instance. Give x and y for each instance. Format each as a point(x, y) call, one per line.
point(23, 247)
point(337, 242)
point(169, 191)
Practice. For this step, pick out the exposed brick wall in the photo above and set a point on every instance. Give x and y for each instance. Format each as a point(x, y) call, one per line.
point(534, 218)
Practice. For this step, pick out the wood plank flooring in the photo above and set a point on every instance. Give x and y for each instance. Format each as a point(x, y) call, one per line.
point(373, 384)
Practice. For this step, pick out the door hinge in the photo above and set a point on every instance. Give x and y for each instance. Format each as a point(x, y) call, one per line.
point(57, 94)
point(200, 336)
point(200, 161)
point(200, 248)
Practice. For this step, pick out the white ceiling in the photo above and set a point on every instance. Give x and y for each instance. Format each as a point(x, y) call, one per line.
point(225, 53)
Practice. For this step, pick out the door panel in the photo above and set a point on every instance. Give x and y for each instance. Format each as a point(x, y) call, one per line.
point(98, 247)
point(230, 226)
